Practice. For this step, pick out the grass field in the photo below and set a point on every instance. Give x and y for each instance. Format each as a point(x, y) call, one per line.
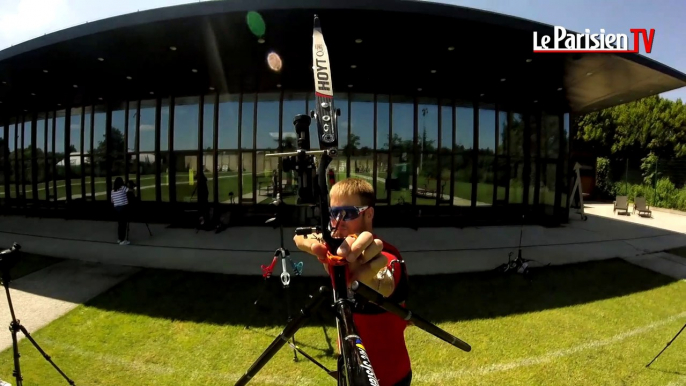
point(596, 323)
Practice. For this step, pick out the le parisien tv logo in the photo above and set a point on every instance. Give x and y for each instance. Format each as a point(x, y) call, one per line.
point(563, 41)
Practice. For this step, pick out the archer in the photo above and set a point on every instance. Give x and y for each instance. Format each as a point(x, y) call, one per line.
point(374, 263)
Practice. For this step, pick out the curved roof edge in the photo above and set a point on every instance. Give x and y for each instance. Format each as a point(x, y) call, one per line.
point(226, 6)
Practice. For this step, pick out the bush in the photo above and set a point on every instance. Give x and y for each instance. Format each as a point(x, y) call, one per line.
point(664, 195)
point(603, 181)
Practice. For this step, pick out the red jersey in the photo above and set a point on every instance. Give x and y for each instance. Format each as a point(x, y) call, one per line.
point(383, 334)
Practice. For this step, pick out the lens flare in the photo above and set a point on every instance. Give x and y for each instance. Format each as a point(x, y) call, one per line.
point(274, 61)
point(256, 24)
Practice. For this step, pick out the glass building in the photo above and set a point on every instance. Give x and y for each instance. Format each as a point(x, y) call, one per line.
point(444, 140)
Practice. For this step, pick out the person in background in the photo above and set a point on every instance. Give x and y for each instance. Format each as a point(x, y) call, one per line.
point(120, 202)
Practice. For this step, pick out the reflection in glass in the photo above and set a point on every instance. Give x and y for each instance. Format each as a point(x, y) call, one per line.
point(382, 180)
point(502, 133)
point(516, 181)
point(446, 127)
point(208, 123)
point(360, 146)
point(208, 169)
point(464, 132)
point(487, 130)
point(502, 178)
point(99, 158)
point(516, 135)
point(546, 195)
point(228, 176)
point(550, 136)
point(462, 169)
point(247, 120)
point(75, 166)
point(117, 144)
point(186, 166)
point(267, 177)
point(382, 122)
point(267, 121)
point(133, 113)
point(165, 178)
point(146, 171)
point(400, 180)
point(146, 129)
point(484, 180)
point(228, 121)
point(247, 178)
point(60, 157)
point(445, 180)
point(164, 124)
point(186, 113)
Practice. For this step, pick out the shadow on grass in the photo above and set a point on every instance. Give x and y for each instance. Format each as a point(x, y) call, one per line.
point(228, 299)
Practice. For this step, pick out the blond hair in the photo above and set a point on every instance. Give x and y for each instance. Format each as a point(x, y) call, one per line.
point(354, 186)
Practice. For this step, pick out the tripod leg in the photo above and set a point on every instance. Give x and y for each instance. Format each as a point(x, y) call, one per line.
point(14, 327)
point(256, 302)
point(285, 335)
point(668, 344)
point(288, 305)
point(46, 356)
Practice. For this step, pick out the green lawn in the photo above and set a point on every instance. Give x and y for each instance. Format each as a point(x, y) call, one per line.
point(596, 323)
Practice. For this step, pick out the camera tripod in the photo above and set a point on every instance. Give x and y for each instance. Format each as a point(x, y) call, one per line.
point(283, 255)
point(668, 344)
point(5, 264)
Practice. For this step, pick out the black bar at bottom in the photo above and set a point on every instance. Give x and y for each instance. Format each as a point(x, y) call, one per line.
point(406, 314)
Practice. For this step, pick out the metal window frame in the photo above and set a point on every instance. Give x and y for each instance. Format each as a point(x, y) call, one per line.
point(91, 155)
point(46, 165)
point(54, 156)
point(215, 150)
point(108, 154)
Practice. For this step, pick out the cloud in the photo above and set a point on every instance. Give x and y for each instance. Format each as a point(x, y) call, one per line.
point(147, 128)
point(30, 19)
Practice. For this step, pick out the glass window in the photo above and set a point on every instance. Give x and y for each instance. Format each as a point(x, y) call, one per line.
point(246, 177)
point(132, 132)
point(341, 103)
point(462, 169)
point(446, 126)
point(487, 129)
point(117, 144)
point(362, 123)
point(550, 136)
point(99, 159)
point(12, 145)
point(502, 133)
point(186, 166)
point(228, 121)
point(208, 123)
point(516, 135)
point(146, 171)
point(247, 120)
point(186, 113)
point(40, 135)
point(227, 174)
point(268, 121)
point(382, 122)
point(146, 128)
point(360, 146)
point(516, 181)
point(533, 135)
point(74, 151)
point(464, 132)
point(402, 158)
point(164, 125)
point(3, 161)
point(427, 141)
point(60, 156)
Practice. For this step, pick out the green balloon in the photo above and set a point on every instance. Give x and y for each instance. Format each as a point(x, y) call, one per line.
point(256, 23)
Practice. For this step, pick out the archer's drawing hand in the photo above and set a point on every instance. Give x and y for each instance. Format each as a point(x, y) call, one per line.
point(364, 257)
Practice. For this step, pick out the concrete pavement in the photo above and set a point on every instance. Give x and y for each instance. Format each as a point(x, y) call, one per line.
point(45, 295)
point(242, 250)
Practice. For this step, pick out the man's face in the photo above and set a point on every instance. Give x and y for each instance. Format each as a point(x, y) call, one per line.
point(362, 223)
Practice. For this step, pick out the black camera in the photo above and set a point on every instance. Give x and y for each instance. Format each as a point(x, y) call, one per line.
point(9, 257)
